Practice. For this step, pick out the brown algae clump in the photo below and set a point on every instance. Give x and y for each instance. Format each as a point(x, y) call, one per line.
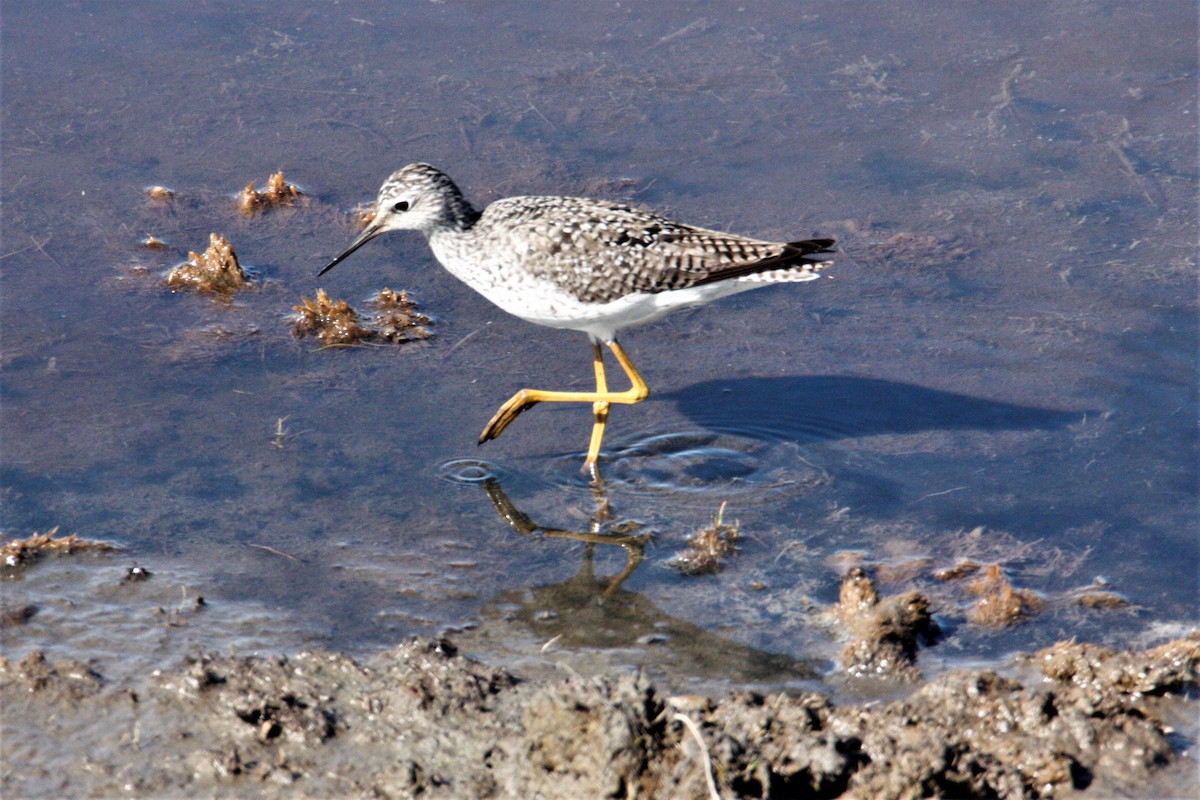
point(19, 552)
point(707, 547)
point(277, 192)
point(397, 318)
point(333, 322)
point(1105, 600)
point(999, 604)
point(215, 270)
point(962, 569)
point(160, 194)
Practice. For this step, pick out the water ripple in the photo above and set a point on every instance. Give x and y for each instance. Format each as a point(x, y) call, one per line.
point(469, 471)
point(701, 462)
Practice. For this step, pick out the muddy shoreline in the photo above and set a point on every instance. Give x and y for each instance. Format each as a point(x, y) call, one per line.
point(422, 720)
point(975, 425)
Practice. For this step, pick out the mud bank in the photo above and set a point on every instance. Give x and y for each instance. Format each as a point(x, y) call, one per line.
point(420, 720)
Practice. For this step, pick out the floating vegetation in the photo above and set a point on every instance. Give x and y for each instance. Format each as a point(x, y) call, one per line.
point(20, 552)
point(1102, 600)
point(216, 270)
point(151, 242)
point(395, 319)
point(999, 604)
point(708, 547)
point(250, 201)
point(960, 570)
point(333, 322)
point(160, 194)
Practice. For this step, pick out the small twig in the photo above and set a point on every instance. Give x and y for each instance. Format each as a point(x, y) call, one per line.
point(700, 25)
point(273, 550)
point(1005, 98)
point(708, 770)
point(466, 137)
point(783, 551)
point(537, 111)
point(462, 341)
point(644, 188)
point(348, 123)
point(281, 434)
point(17, 251)
point(340, 92)
point(1117, 146)
point(936, 494)
point(41, 247)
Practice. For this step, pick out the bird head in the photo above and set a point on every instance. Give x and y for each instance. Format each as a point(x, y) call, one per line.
point(417, 197)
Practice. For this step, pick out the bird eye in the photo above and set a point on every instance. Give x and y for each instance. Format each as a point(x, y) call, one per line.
point(401, 206)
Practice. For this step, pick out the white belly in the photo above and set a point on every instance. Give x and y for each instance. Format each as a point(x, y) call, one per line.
point(542, 302)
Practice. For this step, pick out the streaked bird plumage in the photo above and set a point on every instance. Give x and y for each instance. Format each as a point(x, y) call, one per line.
point(587, 265)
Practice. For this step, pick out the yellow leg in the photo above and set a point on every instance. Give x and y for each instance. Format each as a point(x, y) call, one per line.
point(600, 409)
point(600, 400)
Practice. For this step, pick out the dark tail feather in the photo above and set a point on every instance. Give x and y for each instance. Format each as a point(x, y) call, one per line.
point(796, 254)
point(806, 246)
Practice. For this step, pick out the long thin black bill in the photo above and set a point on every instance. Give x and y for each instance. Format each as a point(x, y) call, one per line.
point(364, 237)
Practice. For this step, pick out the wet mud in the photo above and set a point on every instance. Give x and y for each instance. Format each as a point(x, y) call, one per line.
point(421, 720)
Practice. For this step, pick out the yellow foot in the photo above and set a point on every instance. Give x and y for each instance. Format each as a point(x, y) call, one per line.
point(600, 400)
point(508, 412)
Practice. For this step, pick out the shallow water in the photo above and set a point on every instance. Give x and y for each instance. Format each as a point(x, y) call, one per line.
point(1000, 365)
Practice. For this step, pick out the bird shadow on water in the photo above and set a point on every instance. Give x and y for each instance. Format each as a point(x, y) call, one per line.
point(815, 408)
point(730, 447)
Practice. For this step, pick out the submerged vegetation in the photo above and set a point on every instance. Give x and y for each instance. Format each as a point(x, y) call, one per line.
point(215, 271)
point(708, 547)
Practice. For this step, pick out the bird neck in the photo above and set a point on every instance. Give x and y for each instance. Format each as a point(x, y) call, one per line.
point(458, 215)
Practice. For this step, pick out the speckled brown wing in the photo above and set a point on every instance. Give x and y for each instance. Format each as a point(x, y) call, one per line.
point(601, 251)
point(697, 256)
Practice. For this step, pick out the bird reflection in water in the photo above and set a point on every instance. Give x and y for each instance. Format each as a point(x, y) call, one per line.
point(600, 530)
point(597, 616)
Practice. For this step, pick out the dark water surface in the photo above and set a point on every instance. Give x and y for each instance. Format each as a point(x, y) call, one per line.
point(1001, 365)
